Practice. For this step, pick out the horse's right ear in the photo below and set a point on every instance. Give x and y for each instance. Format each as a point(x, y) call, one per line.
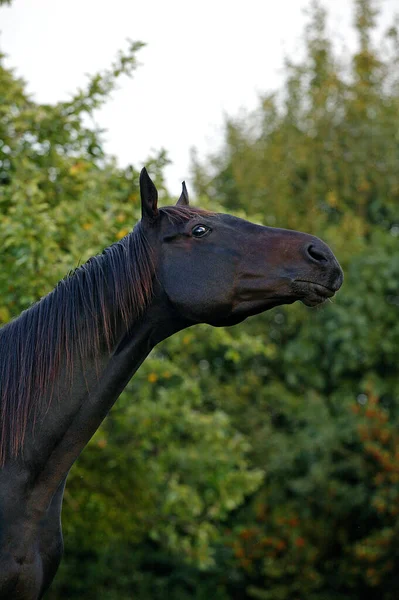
point(149, 197)
point(183, 200)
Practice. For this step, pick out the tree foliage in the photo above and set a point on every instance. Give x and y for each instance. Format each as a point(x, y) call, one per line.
point(258, 462)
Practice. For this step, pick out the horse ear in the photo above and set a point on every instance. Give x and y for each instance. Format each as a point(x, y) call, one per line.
point(183, 200)
point(149, 197)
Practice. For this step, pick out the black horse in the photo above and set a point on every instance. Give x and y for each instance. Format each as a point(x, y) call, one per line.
point(65, 360)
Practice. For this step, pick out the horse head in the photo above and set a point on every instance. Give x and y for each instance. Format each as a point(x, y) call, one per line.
point(220, 269)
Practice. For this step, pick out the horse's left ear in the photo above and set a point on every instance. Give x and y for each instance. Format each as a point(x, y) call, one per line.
point(149, 197)
point(183, 200)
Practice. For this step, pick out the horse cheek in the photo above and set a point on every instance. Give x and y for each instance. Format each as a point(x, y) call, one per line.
point(201, 290)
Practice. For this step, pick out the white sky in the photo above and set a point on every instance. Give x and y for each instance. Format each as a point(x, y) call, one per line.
point(203, 59)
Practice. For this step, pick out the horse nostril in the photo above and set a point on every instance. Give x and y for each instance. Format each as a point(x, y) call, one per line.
point(317, 254)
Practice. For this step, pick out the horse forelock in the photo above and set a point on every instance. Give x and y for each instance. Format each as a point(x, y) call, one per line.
point(180, 214)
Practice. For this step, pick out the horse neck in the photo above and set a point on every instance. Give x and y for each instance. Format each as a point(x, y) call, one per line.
point(52, 446)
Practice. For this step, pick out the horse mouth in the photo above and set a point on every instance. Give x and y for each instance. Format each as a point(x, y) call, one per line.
point(311, 293)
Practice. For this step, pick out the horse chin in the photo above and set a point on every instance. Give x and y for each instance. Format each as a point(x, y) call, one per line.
point(311, 293)
point(313, 301)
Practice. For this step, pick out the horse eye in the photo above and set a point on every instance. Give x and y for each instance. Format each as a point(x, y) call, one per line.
point(200, 230)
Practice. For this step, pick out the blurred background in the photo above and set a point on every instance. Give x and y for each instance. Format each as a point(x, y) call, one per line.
point(257, 462)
